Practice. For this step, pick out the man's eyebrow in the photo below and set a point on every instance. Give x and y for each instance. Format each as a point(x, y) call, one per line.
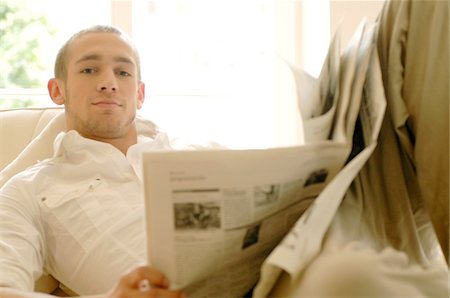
point(88, 57)
point(123, 59)
point(98, 57)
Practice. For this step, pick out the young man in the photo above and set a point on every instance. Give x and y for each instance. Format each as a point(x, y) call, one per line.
point(79, 214)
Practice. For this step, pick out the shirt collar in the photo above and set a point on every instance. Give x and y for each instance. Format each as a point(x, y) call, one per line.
point(72, 141)
point(76, 147)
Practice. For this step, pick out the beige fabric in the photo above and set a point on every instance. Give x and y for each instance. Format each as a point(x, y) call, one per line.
point(411, 167)
point(426, 93)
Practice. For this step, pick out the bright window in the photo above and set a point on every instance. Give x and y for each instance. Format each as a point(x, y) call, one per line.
point(211, 67)
point(208, 64)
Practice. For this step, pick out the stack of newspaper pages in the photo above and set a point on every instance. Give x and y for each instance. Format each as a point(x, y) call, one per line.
point(222, 221)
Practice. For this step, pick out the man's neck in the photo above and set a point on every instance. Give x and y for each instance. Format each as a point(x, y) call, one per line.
point(122, 143)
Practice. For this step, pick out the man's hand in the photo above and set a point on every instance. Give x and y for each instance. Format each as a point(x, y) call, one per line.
point(130, 285)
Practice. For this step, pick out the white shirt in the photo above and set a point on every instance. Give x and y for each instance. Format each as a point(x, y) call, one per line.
point(78, 215)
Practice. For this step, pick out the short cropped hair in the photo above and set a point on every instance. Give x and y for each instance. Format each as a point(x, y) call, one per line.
point(60, 70)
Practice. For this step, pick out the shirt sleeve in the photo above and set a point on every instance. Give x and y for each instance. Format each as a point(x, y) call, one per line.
point(21, 237)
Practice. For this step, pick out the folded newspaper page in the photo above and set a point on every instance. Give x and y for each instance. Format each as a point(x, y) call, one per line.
point(317, 97)
point(214, 216)
point(347, 79)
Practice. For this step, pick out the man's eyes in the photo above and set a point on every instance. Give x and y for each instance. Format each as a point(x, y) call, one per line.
point(123, 73)
point(90, 70)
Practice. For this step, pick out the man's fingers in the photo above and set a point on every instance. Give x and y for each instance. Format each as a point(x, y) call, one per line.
point(136, 277)
point(148, 282)
point(144, 285)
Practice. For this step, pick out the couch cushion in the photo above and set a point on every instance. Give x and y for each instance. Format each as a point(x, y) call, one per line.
point(27, 136)
point(19, 127)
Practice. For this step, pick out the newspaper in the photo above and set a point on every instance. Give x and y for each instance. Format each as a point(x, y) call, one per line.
point(347, 79)
point(215, 219)
point(214, 216)
point(317, 97)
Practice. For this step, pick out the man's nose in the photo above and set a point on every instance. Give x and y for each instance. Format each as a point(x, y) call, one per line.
point(107, 82)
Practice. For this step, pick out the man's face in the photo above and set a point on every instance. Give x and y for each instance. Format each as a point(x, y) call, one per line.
point(102, 91)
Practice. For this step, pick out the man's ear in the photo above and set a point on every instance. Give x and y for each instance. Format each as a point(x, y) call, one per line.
point(55, 90)
point(140, 95)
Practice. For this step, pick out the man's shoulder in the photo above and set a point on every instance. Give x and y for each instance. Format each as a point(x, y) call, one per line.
point(35, 173)
point(24, 187)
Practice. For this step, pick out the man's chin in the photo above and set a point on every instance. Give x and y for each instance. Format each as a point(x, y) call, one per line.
point(108, 133)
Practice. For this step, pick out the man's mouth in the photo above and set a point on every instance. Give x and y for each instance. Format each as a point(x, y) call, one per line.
point(106, 104)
